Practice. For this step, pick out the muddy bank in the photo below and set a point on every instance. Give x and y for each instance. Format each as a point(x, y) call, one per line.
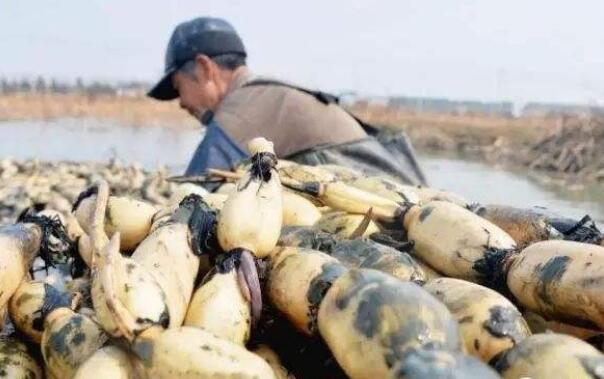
point(572, 151)
point(564, 148)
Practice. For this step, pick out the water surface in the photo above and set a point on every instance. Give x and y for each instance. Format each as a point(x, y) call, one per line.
point(90, 140)
point(482, 183)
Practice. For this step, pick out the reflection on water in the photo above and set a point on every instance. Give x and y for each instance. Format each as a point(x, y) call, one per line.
point(89, 140)
point(486, 184)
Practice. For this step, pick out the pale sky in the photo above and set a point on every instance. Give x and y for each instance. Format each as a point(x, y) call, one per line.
point(515, 50)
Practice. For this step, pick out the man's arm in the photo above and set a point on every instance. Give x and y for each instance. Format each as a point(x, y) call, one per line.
point(216, 150)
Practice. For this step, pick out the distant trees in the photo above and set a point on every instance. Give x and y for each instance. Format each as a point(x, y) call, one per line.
point(40, 86)
point(44, 85)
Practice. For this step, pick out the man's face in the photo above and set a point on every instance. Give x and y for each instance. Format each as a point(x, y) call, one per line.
point(196, 89)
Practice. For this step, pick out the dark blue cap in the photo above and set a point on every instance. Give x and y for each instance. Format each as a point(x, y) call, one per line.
point(203, 35)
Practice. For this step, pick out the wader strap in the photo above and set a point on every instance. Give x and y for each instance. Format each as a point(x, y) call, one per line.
point(324, 97)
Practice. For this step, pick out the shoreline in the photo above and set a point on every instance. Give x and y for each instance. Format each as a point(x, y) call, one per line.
point(135, 111)
point(563, 148)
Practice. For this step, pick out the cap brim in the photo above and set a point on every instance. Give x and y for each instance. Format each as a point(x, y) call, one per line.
point(164, 90)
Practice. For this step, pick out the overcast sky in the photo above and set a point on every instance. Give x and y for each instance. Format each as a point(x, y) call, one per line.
point(473, 49)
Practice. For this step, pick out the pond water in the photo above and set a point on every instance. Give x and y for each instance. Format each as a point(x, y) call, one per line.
point(90, 140)
point(485, 184)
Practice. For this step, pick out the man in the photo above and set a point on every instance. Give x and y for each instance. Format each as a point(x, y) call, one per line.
point(206, 68)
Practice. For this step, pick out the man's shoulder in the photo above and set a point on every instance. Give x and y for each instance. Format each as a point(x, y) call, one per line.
point(295, 119)
point(266, 82)
point(269, 94)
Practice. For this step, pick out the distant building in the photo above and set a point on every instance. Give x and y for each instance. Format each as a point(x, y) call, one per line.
point(441, 105)
point(554, 109)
